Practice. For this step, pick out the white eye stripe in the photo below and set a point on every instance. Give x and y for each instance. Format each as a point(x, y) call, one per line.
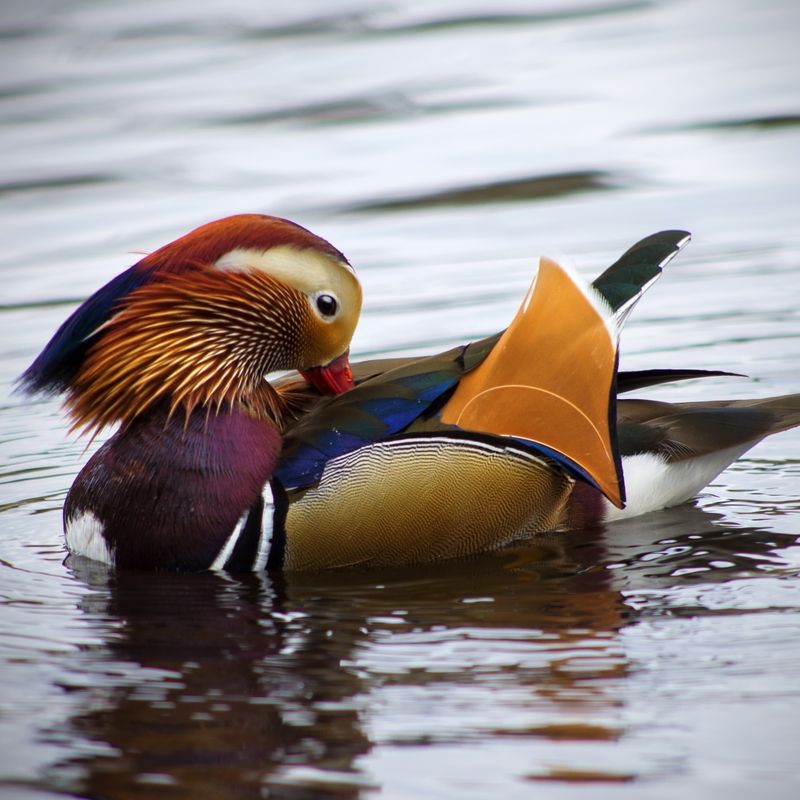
point(284, 262)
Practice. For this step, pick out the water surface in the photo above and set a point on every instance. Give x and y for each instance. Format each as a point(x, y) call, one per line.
point(442, 146)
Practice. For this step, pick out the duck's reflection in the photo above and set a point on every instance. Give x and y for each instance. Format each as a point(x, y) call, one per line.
point(204, 686)
point(210, 685)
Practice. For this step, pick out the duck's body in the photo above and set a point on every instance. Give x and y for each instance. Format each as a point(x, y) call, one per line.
point(433, 492)
point(430, 458)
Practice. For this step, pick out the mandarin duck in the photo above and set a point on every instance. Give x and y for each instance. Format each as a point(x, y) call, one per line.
point(214, 467)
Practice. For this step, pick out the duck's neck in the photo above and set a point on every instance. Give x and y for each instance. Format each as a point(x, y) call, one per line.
point(169, 493)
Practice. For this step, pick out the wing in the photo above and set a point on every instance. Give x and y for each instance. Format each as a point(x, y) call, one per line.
point(375, 410)
point(551, 377)
point(548, 379)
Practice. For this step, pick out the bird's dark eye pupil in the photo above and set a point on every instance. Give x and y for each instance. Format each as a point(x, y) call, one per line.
point(327, 305)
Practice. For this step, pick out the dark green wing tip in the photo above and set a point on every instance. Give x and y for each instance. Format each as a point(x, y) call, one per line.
point(638, 266)
point(671, 241)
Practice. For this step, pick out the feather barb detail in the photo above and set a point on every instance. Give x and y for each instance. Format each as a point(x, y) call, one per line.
point(199, 339)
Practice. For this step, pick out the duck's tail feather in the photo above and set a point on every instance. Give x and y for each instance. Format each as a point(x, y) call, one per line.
point(681, 431)
point(671, 451)
point(779, 413)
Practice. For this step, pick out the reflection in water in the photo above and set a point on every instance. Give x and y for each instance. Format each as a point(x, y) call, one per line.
point(536, 187)
point(209, 686)
point(687, 545)
point(474, 139)
point(216, 684)
point(766, 122)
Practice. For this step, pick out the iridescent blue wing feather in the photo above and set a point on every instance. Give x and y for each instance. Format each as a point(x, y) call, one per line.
point(375, 410)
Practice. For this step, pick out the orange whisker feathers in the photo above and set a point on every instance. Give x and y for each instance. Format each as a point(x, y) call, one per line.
point(197, 339)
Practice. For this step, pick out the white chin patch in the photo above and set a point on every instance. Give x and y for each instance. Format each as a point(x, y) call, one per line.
point(84, 535)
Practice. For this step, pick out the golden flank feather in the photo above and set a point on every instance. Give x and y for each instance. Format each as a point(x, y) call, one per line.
point(198, 339)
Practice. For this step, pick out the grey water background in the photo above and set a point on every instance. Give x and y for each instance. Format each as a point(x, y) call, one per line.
point(443, 146)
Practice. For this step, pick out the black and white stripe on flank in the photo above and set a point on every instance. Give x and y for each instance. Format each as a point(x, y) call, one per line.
point(265, 540)
point(222, 557)
point(248, 547)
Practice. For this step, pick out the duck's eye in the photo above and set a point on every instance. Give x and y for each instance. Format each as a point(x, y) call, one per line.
point(327, 305)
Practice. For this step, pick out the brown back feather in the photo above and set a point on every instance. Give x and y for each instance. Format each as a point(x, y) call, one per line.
point(684, 430)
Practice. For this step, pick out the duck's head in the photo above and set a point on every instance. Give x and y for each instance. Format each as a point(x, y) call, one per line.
point(202, 320)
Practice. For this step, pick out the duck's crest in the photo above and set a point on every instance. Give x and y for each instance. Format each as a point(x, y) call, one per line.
point(57, 366)
point(202, 340)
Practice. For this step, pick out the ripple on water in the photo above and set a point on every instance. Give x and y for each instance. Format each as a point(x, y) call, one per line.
point(443, 149)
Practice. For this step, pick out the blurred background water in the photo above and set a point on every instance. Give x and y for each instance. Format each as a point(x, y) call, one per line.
point(443, 146)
